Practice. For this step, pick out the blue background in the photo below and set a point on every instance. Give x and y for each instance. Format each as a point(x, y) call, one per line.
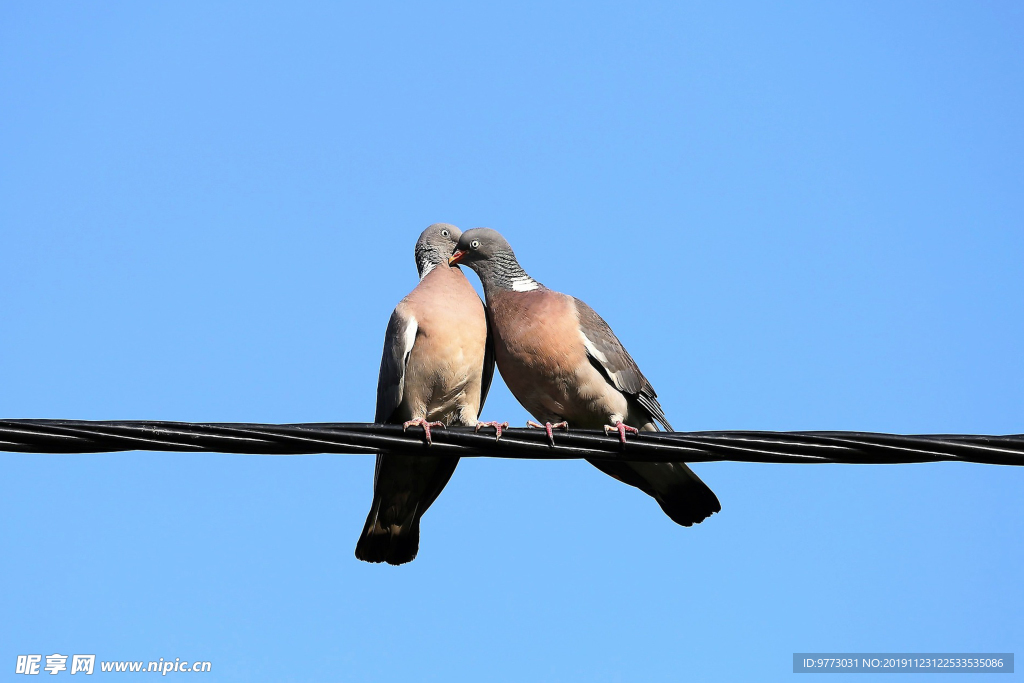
point(797, 217)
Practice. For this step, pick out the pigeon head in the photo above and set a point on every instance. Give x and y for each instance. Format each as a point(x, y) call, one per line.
point(489, 254)
point(435, 246)
point(479, 244)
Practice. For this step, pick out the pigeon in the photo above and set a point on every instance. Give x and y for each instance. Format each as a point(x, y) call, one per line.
point(564, 364)
point(435, 371)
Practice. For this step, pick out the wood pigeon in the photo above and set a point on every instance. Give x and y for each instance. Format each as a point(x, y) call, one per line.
point(564, 364)
point(435, 372)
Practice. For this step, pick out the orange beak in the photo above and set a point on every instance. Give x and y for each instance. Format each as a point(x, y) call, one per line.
point(456, 257)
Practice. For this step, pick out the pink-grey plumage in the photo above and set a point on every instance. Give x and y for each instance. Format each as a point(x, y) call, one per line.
point(562, 361)
point(437, 365)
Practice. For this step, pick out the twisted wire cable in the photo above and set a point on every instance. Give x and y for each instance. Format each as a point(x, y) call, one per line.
point(84, 436)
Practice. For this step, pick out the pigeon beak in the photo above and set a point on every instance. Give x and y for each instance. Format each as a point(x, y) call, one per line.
point(456, 257)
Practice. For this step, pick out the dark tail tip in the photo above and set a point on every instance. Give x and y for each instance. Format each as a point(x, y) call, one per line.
point(394, 544)
point(690, 502)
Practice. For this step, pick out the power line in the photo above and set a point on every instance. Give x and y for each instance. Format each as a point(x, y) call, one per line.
point(83, 436)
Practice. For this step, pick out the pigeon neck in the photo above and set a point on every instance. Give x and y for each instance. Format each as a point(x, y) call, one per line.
point(505, 273)
point(424, 265)
point(429, 259)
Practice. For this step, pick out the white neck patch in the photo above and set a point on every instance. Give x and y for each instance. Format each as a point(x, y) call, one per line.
point(524, 283)
point(425, 268)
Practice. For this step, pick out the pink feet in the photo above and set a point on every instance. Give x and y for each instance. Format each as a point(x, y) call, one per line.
point(498, 426)
point(548, 427)
point(422, 423)
point(621, 429)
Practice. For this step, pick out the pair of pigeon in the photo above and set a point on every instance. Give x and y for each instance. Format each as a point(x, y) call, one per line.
point(559, 358)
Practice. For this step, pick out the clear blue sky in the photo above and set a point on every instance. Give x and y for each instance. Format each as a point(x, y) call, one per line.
point(797, 217)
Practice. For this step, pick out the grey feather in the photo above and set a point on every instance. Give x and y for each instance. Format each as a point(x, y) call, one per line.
point(609, 356)
point(391, 382)
point(488, 370)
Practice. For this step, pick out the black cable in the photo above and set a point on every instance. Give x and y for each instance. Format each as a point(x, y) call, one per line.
point(83, 436)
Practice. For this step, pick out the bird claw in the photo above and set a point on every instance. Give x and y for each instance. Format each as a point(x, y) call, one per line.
point(426, 427)
point(621, 429)
point(498, 426)
point(548, 427)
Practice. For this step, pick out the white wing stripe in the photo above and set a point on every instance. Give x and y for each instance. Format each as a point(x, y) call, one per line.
point(408, 339)
point(603, 359)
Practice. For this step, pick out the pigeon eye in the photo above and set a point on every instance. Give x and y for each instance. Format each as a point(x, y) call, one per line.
point(445, 233)
point(475, 244)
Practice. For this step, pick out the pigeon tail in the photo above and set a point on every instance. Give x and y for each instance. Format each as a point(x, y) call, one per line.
point(687, 500)
point(678, 490)
point(395, 543)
